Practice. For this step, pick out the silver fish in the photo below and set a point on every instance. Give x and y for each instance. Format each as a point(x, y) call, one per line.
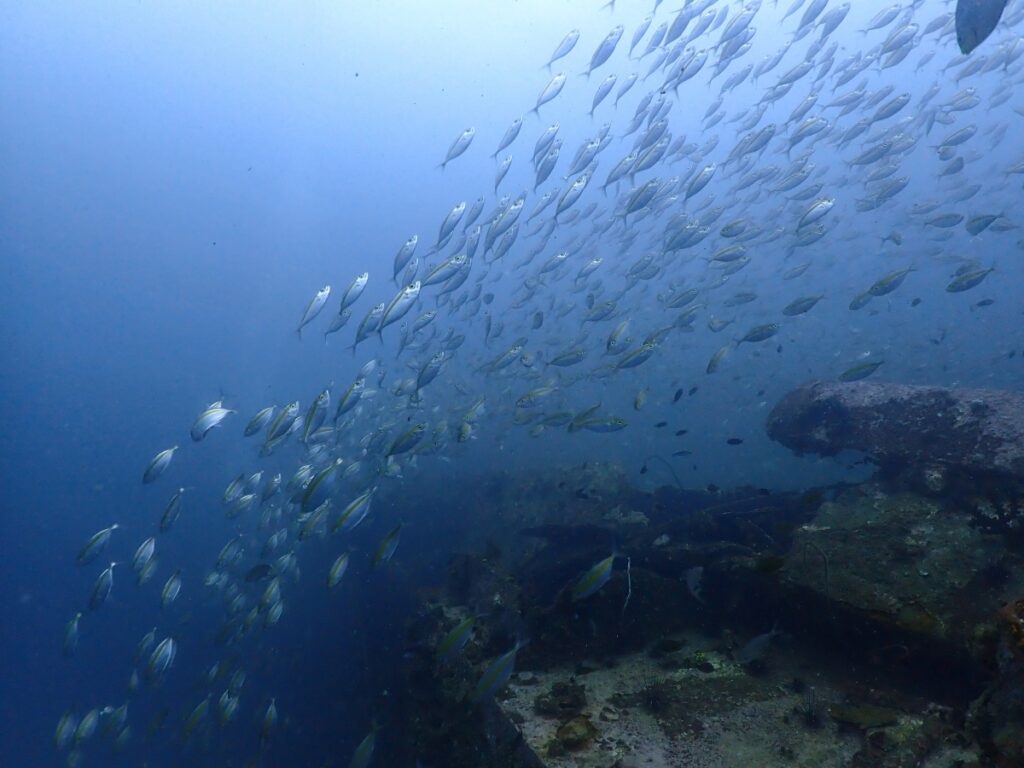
point(563, 49)
point(355, 290)
point(158, 465)
point(101, 588)
point(208, 419)
point(506, 140)
point(404, 255)
point(605, 49)
point(551, 90)
point(459, 146)
point(315, 306)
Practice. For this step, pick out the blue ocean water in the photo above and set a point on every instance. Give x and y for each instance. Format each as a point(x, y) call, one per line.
point(178, 180)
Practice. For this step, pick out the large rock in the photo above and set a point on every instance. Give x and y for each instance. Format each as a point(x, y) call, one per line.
point(974, 430)
point(909, 562)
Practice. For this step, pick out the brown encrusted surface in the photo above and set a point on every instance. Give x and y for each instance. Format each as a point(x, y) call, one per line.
point(973, 429)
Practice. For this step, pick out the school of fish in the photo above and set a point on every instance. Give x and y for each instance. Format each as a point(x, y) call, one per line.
point(643, 240)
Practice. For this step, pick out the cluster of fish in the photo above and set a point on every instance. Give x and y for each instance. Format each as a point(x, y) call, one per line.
point(539, 298)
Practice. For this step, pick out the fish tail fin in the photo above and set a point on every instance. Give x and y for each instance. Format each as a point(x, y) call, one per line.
point(298, 332)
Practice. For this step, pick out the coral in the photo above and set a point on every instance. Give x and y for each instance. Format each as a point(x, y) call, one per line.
point(576, 734)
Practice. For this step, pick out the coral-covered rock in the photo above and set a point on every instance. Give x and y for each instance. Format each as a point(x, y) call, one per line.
point(997, 716)
point(975, 430)
point(903, 560)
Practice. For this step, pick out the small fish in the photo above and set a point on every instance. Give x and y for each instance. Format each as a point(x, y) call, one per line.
point(404, 256)
point(143, 555)
point(65, 732)
point(338, 568)
point(355, 290)
point(197, 716)
point(158, 465)
point(227, 706)
point(408, 440)
point(208, 419)
point(551, 90)
point(171, 590)
point(350, 398)
point(87, 726)
point(364, 752)
point(532, 399)
point(860, 371)
point(496, 675)
point(734, 441)
point(71, 634)
point(458, 146)
point(509, 137)
point(640, 399)
point(605, 49)
point(260, 420)
point(639, 355)
point(756, 649)
point(564, 48)
point(456, 639)
point(101, 587)
point(677, 395)
point(800, 306)
point(609, 424)
point(816, 212)
point(95, 546)
point(315, 306)
point(890, 282)
point(354, 513)
point(161, 660)
point(860, 300)
point(978, 224)
point(319, 488)
point(716, 359)
point(269, 720)
point(760, 333)
point(594, 578)
point(387, 546)
point(968, 280)
point(399, 306)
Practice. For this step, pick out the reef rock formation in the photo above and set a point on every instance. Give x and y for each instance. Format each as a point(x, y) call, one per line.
point(972, 430)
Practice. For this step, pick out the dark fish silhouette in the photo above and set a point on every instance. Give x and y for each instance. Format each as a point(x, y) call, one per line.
point(975, 20)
